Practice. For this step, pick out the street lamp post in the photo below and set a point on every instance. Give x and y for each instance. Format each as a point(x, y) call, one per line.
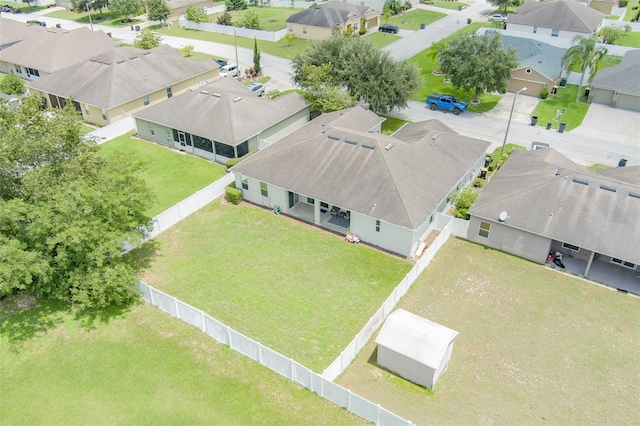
point(87, 7)
point(509, 122)
point(235, 42)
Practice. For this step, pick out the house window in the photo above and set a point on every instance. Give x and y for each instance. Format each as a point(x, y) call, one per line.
point(485, 227)
point(570, 247)
point(324, 205)
point(263, 189)
point(528, 70)
point(151, 129)
point(202, 143)
point(555, 32)
point(145, 100)
point(18, 69)
point(311, 200)
point(245, 183)
point(86, 109)
point(290, 29)
point(304, 30)
point(169, 93)
point(32, 72)
point(377, 226)
point(104, 115)
point(355, 26)
point(623, 263)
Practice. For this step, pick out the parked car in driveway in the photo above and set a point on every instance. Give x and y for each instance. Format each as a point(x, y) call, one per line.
point(497, 18)
point(389, 28)
point(36, 22)
point(256, 88)
point(229, 70)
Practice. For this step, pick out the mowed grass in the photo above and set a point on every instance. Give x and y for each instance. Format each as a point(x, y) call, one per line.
point(564, 98)
point(449, 4)
point(140, 367)
point(106, 18)
point(535, 346)
point(24, 7)
point(606, 62)
point(414, 18)
point(299, 290)
point(392, 125)
point(631, 39)
point(630, 13)
point(271, 18)
point(172, 176)
point(379, 39)
point(427, 62)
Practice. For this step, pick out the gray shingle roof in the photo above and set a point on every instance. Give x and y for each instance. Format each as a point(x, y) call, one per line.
point(54, 48)
point(13, 31)
point(121, 75)
point(543, 57)
point(232, 117)
point(538, 191)
point(331, 13)
point(561, 14)
point(402, 185)
point(624, 77)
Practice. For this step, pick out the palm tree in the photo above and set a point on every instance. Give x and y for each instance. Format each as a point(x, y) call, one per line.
point(586, 52)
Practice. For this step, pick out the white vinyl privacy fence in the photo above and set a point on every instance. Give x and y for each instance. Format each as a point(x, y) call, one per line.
point(277, 362)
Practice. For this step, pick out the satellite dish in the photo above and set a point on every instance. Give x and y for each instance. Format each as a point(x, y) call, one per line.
point(503, 216)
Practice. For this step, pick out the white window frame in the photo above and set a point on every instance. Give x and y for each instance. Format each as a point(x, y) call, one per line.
point(482, 231)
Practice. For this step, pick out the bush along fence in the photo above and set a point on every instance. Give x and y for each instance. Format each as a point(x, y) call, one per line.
point(277, 362)
point(230, 30)
point(444, 224)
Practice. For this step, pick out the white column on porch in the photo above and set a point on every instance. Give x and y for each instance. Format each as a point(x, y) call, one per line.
point(586, 271)
point(317, 218)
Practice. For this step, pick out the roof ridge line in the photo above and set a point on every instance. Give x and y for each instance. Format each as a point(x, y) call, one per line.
point(395, 185)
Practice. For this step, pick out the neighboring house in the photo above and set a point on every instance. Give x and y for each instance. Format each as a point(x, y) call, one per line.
point(619, 86)
point(540, 201)
point(540, 65)
point(222, 120)
point(319, 22)
point(123, 81)
point(558, 18)
point(604, 6)
point(340, 173)
point(43, 51)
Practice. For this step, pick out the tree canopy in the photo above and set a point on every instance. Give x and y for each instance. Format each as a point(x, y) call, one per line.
point(158, 10)
point(585, 52)
point(369, 75)
point(504, 4)
point(65, 211)
point(147, 40)
point(12, 85)
point(125, 8)
point(478, 63)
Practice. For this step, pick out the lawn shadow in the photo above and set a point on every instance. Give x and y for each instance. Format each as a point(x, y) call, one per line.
point(90, 319)
point(140, 258)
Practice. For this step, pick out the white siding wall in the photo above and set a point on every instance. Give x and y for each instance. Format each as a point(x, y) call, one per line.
point(443, 364)
point(391, 237)
point(406, 367)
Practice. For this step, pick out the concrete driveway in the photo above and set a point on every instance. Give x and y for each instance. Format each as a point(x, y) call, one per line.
point(522, 109)
point(611, 125)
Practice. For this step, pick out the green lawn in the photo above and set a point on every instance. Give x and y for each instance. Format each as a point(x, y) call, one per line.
point(140, 367)
point(565, 98)
point(415, 17)
point(25, 8)
point(606, 62)
point(271, 18)
point(391, 125)
point(84, 129)
point(535, 346)
point(171, 175)
point(299, 290)
point(630, 13)
point(106, 18)
point(449, 4)
point(380, 40)
point(632, 39)
point(427, 62)
point(280, 48)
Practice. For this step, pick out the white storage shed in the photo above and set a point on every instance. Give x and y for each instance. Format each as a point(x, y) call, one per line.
point(414, 347)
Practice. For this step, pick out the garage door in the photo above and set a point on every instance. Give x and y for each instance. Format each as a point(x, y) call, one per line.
point(602, 96)
point(629, 102)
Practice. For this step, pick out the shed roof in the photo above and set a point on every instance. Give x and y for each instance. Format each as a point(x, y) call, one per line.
point(416, 338)
point(624, 77)
point(331, 13)
point(560, 14)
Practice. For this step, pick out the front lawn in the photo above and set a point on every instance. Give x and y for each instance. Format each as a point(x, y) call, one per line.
point(414, 18)
point(140, 367)
point(392, 125)
point(565, 98)
point(632, 39)
point(105, 18)
point(380, 39)
point(427, 62)
point(172, 176)
point(299, 290)
point(25, 8)
point(534, 347)
point(449, 4)
point(271, 18)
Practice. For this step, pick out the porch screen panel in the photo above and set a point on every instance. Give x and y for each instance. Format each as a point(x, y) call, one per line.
point(202, 143)
point(224, 150)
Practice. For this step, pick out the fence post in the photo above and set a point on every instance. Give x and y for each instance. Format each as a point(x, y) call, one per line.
point(293, 371)
point(175, 303)
point(153, 303)
point(204, 326)
point(229, 336)
point(260, 353)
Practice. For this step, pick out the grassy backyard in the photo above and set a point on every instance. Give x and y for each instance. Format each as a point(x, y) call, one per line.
point(392, 125)
point(631, 39)
point(271, 18)
point(535, 346)
point(449, 4)
point(564, 98)
point(25, 8)
point(427, 62)
point(631, 13)
point(606, 62)
point(414, 18)
point(139, 367)
point(104, 18)
point(299, 290)
point(171, 175)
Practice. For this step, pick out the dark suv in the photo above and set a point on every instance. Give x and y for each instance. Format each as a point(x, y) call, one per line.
point(393, 29)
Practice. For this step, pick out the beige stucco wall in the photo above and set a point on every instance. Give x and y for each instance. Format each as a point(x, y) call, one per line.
point(533, 81)
point(603, 6)
point(542, 30)
point(312, 33)
point(9, 68)
point(286, 126)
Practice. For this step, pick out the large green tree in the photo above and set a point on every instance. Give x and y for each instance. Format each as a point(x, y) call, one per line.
point(147, 40)
point(65, 211)
point(504, 4)
point(125, 8)
point(158, 10)
point(586, 52)
point(81, 6)
point(12, 85)
point(324, 96)
point(478, 63)
point(368, 74)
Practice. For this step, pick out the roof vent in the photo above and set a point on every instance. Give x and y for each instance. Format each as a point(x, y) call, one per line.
point(239, 98)
point(436, 136)
point(334, 137)
point(368, 146)
point(120, 62)
point(351, 141)
point(133, 57)
point(558, 171)
point(607, 187)
point(634, 194)
point(581, 181)
point(204, 92)
point(146, 53)
point(388, 147)
point(217, 95)
point(106, 62)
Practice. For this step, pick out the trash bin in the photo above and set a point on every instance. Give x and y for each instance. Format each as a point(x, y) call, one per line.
point(422, 26)
point(58, 25)
point(622, 162)
point(534, 120)
point(109, 34)
point(459, 8)
point(562, 127)
point(468, 20)
point(548, 126)
point(137, 27)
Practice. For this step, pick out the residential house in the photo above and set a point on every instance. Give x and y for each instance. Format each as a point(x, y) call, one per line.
point(540, 201)
point(558, 18)
point(540, 65)
point(221, 120)
point(619, 86)
point(604, 6)
point(122, 81)
point(339, 172)
point(321, 21)
point(12, 32)
point(36, 52)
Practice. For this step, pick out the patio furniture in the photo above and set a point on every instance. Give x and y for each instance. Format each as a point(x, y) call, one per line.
point(334, 210)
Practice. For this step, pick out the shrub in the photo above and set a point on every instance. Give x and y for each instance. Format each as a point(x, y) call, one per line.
point(187, 50)
point(232, 162)
point(236, 4)
point(233, 194)
point(362, 31)
point(623, 3)
point(478, 183)
point(196, 14)
point(250, 20)
point(462, 201)
point(408, 5)
point(544, 94)
point(225, 19)
point(12, 85)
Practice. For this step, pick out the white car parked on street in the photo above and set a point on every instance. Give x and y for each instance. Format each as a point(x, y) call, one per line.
point(229, 70)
